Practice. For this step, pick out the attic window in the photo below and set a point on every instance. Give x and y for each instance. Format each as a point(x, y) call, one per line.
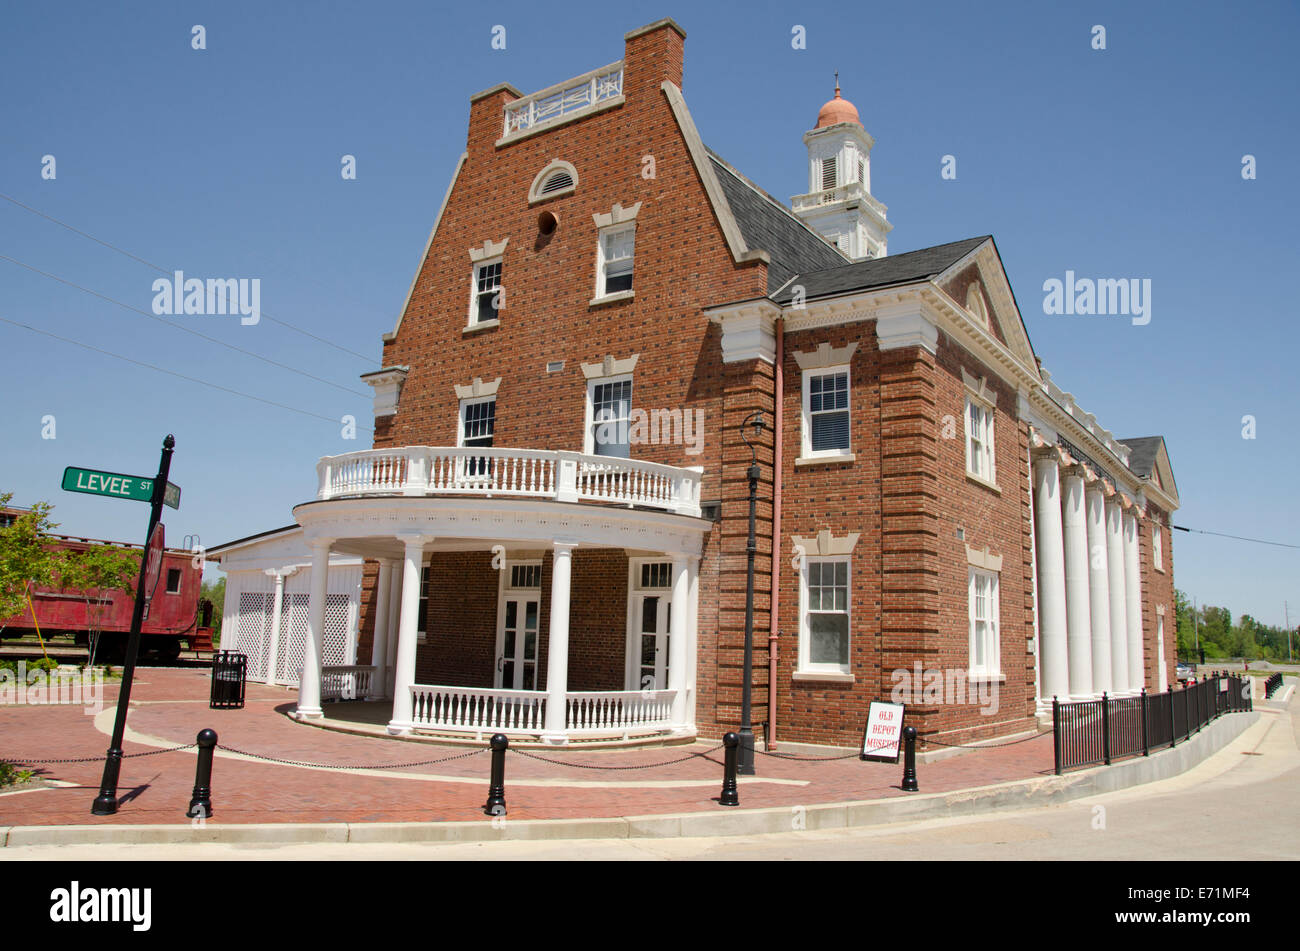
point(556, 179)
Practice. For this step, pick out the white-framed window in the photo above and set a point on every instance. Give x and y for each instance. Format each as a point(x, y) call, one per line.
point(979, 440)
point(826, 413)
point(824, 613)
point(829, 169)
point(614, 257)
point(984, 624)
point(478, 419)
point(422, 618)
point(487, 292)
point(609, 412)
point(1157, 544)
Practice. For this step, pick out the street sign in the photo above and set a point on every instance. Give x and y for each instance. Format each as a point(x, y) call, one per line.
point(117, 485)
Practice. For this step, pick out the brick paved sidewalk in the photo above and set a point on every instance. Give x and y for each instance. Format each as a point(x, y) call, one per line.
point(170, 706)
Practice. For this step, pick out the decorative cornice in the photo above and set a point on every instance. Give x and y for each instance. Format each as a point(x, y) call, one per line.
point(477, 388)
point(490, 249)
point(387, 384)
point(610, 367)
point(825, 356)
point(619, 215)
point(983, 559)
point(824, 544)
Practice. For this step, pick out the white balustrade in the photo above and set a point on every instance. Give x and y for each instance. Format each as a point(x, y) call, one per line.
point(588, 713)
point(559, 475)
point(618, 711)
point(471, 709)
point(567, 98)
point(345, 682)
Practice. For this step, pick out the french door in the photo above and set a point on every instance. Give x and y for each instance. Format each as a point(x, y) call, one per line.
point(517, 651)
point(650, 645)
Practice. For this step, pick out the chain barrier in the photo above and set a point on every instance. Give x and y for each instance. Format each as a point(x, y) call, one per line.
point(289, 762)
point(24, 760)
point(680, 759)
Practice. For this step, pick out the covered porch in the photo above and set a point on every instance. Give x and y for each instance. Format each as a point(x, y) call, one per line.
point(481, 623)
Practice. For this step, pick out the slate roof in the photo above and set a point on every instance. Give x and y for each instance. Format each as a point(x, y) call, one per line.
point(1142, 454)
point(905, 268)
point(767, 225)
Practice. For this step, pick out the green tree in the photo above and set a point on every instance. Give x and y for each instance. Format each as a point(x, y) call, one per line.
point(26, 559)
point(94, 573)
point(215, 591)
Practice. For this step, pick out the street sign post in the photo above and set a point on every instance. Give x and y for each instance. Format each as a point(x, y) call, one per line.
point(153, 564)
point(126, 487)
point(118, 485)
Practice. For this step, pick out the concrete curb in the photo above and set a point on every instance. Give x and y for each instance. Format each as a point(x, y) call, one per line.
point(1021, 794)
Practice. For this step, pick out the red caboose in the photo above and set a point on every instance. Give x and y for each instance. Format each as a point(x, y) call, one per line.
point(173, 610)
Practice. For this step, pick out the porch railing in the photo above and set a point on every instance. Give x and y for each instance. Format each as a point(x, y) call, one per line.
point(612, 711)
point(530, 473)
point(346, 682)
point(479, 710)
point(471, 709)
point(1095, 732)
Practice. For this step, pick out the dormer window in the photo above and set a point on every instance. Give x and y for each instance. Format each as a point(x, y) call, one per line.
point(556, 179)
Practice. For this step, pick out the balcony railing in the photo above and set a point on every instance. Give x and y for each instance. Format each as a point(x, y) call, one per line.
point(346, 682)
point(564, 100)
point(528, 473)
point(477, 710)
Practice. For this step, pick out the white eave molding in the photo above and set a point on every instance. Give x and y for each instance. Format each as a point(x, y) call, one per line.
point(748, 329)
point(387, 384)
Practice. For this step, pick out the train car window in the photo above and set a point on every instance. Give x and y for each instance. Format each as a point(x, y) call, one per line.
point(173, 581)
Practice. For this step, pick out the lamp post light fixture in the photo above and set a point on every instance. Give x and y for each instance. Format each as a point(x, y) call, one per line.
point(745, 767)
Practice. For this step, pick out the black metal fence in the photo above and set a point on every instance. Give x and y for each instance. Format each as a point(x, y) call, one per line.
point(1272, 686)
point(1093, 732)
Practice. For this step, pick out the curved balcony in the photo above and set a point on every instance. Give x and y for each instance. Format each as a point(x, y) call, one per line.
point(524, 473)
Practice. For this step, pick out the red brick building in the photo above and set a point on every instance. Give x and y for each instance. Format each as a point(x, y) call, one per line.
point(555, 511)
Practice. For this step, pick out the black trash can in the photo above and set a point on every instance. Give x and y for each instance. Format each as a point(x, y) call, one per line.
point(229, 671)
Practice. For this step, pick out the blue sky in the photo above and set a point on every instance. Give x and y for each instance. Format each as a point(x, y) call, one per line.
point(225, 162)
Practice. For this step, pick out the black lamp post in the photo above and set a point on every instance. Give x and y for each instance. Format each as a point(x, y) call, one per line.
point(746, 764)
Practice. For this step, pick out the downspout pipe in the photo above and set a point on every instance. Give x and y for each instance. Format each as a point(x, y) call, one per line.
point(773, 629)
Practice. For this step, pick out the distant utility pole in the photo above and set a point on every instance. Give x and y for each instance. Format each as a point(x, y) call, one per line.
point(1287, 613)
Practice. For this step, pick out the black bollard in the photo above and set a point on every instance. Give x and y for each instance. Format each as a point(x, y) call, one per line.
point(496, 800)
point(201, 800)
point(909, 759)
point(729, 797)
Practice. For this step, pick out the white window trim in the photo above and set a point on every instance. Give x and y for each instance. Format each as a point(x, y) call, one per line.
point(602, 297)
point(806, 450)
point(988, 413)
point(556, 165)
point(992, 668)
point(806, 667)
point(589, 420)
point(1157, 547)
point(631, 659)
point(471, 321)
point(460, 422)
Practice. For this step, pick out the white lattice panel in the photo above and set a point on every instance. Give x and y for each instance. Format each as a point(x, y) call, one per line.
point(293, 637)
point(254, 631)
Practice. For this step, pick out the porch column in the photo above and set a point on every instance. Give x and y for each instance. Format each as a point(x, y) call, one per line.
point(394, 616)
point(1051, 576)
point(277, 618)
point(407, 632)
point(1133, 602)
point(1118, 603)
point(379, 647)
point(678, 634)
point(1099, 590)
point(309, 680)
point(557, 646)
point(1078, 617)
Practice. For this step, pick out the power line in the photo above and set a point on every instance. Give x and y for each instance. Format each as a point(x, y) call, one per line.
point(163, 270)
point(191, 379)
point(1240, 538)
point(181, 327)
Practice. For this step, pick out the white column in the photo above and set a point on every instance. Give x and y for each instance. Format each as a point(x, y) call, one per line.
point(1051, 577)
point(309, 680)
point(1118, 601)
point(407, 632)
point(678, 627)
point(557, 645)
point(394, 617)
point(693, 642)
point(1133, 602)
point(1099, 590)
point(379, 647)
point(277, 619)
point(1078, 615)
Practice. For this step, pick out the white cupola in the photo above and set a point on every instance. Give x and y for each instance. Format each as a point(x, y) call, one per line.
point(838, 204)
